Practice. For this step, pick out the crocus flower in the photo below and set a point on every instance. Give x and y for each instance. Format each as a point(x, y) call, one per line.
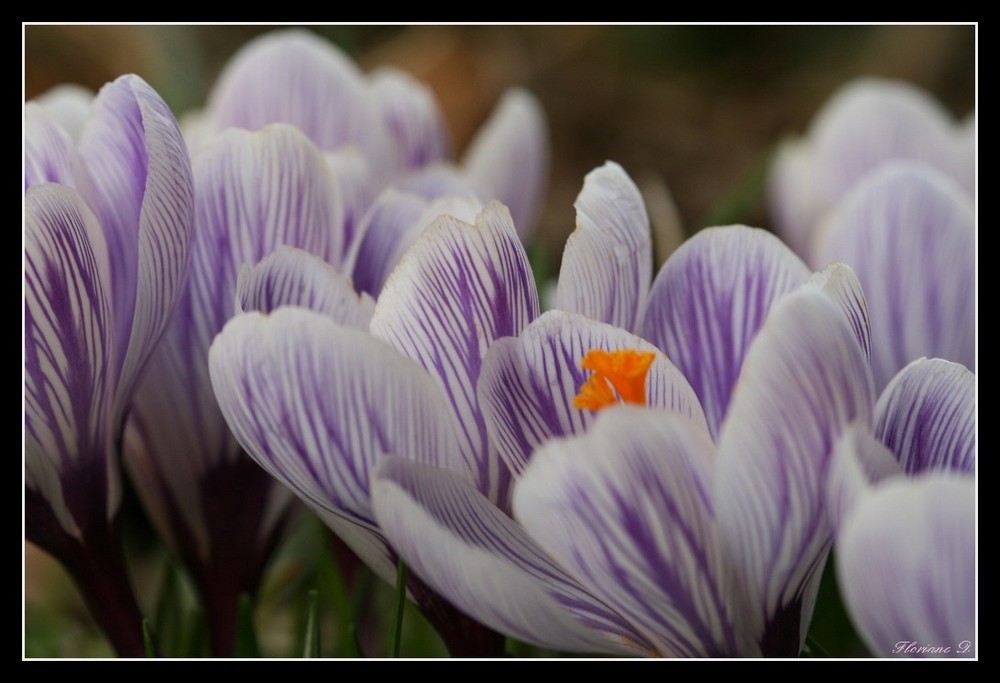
point(884, 182)
point(866, 123)
point(455, 272)
point(324, 424)
point(902, 499)
point(220, 512)
point(394, 121)
point(702, 532)
point(107, 231)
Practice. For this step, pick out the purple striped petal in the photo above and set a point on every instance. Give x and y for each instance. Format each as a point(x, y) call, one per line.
point(318, 405)
point(859, 462)
point(255, 191)
point(48, 151)
point(509, 157)
point(627, 510)
point(804, 379)
point(927, 417)
point(413, 118)
point(293, 277)
point(67, 378)
point(906, 564)
point(480, 560)
point(709, 300)
point(356, 186)
point(871, 121)
point(459, 288)
point(608, 262)
point(393, 224)
point(298, 78)
point(840, 283)
point(909, 234)
point(138, 181)
point(527, 385)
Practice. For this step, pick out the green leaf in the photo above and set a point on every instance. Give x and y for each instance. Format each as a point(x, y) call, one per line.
point(246, 636)
point(311, 648)
point(397, 633)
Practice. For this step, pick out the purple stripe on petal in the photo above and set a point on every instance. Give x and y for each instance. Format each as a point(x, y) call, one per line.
point(840, 283)
point(804, 379)
point(909, 234)
point(627, 510)
point(357, 188)
point(927, 417)
point(906, 564)
point(859, 462)
point(608, 261)
point(480, 560)
point(293, 277)
point(709, 300)
point(527, 385)
point(509, 157)
point(138, 181)
point(413, 118)
point(318, 405)
point(457, 290)
point(68, 384)
point(393, 224)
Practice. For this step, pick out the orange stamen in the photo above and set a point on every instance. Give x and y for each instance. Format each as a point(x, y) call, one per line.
point(625, 370)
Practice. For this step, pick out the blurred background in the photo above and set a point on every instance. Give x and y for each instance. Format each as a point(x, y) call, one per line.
point(695, 109)
point(699, 106)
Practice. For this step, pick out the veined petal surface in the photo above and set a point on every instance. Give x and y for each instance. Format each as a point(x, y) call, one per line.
point(458, 289)
point(477, 557)
point(710, 299)
point(608, 261)
point(805, 378)
point(627, 510)
point(927, 416)
point(527, 385)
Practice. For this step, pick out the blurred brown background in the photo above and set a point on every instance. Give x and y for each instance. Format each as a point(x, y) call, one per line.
point(701, 106)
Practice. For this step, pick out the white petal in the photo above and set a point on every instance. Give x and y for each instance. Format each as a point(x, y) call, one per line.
point(457, 290)
point(804, 379)
point(509, 157)
point(608, 261)
point(627, 510)
point(906, 564)
point(484, 563)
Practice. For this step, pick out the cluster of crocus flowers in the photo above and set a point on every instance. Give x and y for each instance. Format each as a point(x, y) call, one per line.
point(656, 467)
point(884, 182)
point(692, 524)
point(290, 168)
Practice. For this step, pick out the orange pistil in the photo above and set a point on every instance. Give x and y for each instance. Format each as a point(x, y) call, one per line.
point(624, 370)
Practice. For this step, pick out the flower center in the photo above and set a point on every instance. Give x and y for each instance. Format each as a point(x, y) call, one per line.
point(622, 371)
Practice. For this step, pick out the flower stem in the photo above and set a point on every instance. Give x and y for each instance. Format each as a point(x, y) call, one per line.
point(397, 633)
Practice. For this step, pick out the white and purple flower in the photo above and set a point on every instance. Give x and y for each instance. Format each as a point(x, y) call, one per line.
point(884, 182)
point(421, 459)
point(108, 215)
